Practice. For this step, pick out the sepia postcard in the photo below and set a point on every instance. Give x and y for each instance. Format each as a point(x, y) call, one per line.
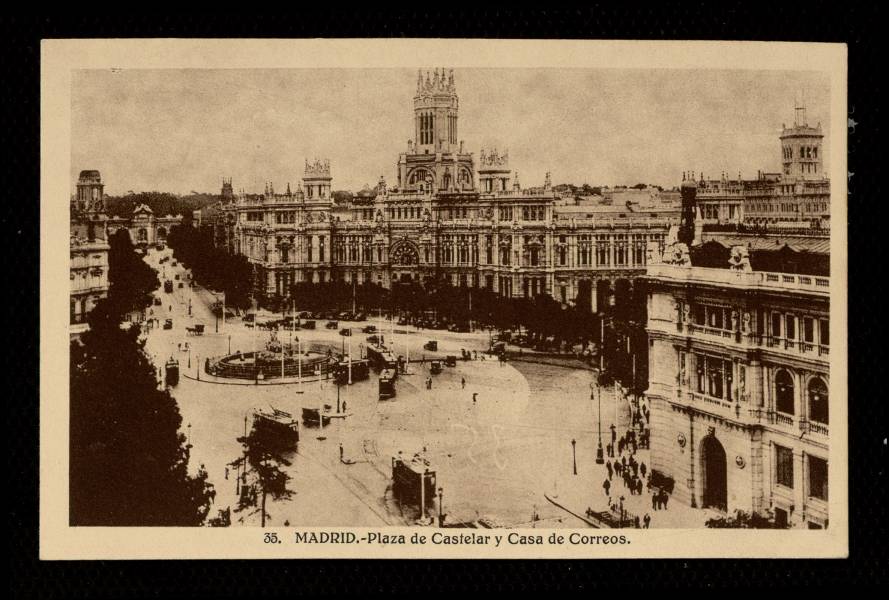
point(443, 299)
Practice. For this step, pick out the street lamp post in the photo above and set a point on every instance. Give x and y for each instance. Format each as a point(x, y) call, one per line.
point(574, 454)
point(600, 457)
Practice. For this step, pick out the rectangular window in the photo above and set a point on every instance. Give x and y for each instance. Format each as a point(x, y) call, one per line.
point(776, 325)
point(790, 329)
point(824, 329)
point(817, 478)
point(809, 330)
point(784, 466)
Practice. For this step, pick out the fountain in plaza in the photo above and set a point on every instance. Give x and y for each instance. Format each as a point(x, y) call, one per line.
point(277, 360)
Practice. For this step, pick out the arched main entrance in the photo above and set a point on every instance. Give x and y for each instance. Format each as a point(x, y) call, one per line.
point(713, 467)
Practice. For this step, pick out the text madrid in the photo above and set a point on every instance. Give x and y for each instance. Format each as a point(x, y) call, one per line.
point(438, 538)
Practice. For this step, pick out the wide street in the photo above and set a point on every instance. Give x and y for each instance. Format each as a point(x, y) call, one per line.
point(497, 458)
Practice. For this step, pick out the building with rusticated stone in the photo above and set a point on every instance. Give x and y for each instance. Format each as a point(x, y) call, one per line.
point(739, 376)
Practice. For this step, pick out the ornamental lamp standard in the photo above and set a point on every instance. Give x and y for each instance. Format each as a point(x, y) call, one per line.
point(600, 455)
point(574, 454)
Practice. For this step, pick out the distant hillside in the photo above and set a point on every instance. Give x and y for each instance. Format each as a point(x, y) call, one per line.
point(162, 203)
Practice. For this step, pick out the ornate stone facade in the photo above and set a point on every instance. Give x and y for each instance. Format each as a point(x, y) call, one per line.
point(447, 217)
point(738, 387)
point(89, 248)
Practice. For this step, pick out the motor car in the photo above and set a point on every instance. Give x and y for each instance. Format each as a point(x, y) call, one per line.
point(308, 325)
point(168, 324)
point(369, 329)
point(346, 332)
point(373, 339)
point(250, 317)
point(360, 317)
point(332, 325)
point(403, 321)
point(346, 316)
point(431, 345)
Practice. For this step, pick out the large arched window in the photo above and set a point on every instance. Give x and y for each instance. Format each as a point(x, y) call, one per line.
point(784, 393)
point(818, 401)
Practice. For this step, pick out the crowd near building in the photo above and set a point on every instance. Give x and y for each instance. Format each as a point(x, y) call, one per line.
point(450, 215)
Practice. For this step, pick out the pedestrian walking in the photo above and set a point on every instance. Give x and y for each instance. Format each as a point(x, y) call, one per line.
point(654, 503)
point(610, 469)
point(636, 523)
point(646, 520)
point(606, 485)
point(474, 397)
point(341, 453)
point(463, 383)
point(613, 433)
point(642, 469)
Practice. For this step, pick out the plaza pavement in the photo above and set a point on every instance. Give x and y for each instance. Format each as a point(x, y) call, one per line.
point(497, 458)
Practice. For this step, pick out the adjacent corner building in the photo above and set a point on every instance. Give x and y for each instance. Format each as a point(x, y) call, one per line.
point(739, 334)
point(89, 248)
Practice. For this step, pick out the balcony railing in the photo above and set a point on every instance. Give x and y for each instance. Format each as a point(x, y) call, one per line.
point(744, 279)
point(783, 419)
point(819, 428)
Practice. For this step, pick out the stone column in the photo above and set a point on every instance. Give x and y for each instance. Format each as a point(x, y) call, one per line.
point(594, 295)
point(799, 492)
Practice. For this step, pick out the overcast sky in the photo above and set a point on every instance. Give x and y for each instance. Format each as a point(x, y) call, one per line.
point(183, 130)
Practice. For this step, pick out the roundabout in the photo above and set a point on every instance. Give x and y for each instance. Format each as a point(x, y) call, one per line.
point(278, 361)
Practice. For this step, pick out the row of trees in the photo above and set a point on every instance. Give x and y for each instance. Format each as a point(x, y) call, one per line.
point(162, 203)
point(128, 459)
point(545, 321)
point(212, 267)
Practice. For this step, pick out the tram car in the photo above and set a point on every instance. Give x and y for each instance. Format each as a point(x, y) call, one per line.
point(277, 424)
point(387, 384)
point(171, 372)
point(360, 371)
point(413, 482)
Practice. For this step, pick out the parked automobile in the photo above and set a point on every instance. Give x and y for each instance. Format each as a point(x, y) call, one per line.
point(369, 329)
point(373, 339)
point(403, 321)
point(168, 324)
point(459, 328)
point(346, 332)
point(451, 360)
point(346, 316)
point(308, 325)
point(360, 317)
point(332, 325)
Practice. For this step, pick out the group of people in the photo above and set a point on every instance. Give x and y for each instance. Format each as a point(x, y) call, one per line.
point(632, 472)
